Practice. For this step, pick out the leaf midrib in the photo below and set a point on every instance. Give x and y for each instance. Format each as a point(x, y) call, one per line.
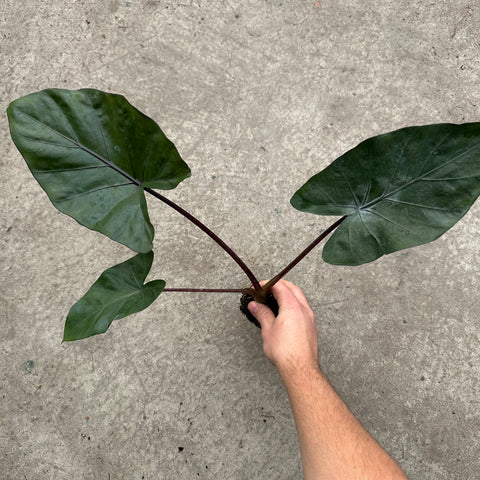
point(411, 182)
point(84, 148)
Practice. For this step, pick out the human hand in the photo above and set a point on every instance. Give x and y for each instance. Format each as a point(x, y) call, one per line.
point(290, 339)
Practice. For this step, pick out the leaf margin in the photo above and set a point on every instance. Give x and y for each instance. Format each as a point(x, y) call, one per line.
point(338, 241)
point(142, 262)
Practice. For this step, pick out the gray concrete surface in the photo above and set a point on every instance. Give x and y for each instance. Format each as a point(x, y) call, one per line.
point(257, 96)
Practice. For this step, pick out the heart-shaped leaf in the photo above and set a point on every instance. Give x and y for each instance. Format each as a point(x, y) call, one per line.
point(400, 189)
point(118, 292)
point(93, 152)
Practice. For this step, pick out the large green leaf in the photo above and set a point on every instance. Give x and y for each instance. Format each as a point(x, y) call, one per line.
point(400, 189)
point(93, 152)
point(118, 292)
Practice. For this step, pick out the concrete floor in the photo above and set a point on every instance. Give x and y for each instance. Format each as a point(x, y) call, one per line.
point(257, 96)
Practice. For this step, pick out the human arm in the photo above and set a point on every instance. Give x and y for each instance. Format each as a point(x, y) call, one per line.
point(333, 444)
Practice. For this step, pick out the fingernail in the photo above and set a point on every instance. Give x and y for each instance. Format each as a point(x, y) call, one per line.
point(253, 307)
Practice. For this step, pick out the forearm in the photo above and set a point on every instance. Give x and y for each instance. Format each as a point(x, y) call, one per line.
point(333, 444)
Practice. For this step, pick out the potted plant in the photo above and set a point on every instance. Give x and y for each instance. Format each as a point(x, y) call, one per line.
point(96, 156)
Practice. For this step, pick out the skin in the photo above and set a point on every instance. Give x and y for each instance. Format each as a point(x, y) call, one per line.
point(333, 443)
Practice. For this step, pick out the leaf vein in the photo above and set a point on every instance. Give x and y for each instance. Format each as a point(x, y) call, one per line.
point(372, 234)
point(422, 177)
point(49, 127)
point(93, 191)
point(367, 192)
point(432, 152)
point(447, 179)
point(100, 128)
point(388, 220)
point(59, 170)
point(109, 210)
point(427, 207)
point(351, 190)
point(47, 143)
point(72, 131)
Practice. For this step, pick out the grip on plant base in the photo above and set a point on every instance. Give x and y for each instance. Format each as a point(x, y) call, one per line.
point(270, 302)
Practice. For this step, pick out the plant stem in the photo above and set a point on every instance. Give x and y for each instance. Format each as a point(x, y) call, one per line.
point(207, 290)
point(305, 252)
point(213, 236)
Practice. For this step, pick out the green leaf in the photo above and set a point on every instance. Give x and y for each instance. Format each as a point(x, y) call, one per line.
point(118, 292)
point(400, 189)
point(93, 153)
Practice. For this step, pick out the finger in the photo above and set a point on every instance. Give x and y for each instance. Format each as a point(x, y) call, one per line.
point(262, 313)
point(298, 292)
point(284, 295)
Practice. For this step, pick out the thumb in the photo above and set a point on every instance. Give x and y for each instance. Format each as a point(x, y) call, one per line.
point(262, 313)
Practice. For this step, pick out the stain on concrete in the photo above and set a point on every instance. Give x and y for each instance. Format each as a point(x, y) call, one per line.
point(28, 366)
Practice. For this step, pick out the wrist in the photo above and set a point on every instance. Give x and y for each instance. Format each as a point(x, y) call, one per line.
point(295, 372)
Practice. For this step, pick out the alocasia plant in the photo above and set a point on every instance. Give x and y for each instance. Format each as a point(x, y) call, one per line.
point(95, 155)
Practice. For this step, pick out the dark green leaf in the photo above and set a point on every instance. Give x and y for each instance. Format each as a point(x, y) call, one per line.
point(93, 153)
point(400, 189)
point(118, 292)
